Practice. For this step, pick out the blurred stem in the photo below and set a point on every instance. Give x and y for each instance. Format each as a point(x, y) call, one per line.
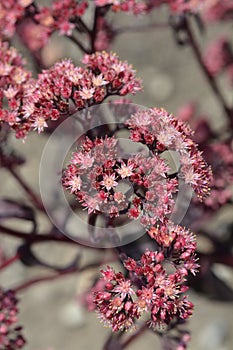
point(225, 259)
point(134, 336)
point(57, 237)
point(9, 261)
point(31, 194)
point(52, 277)
point(84, 26)
point(94, 29)
point(78, 43)
point(211, 80)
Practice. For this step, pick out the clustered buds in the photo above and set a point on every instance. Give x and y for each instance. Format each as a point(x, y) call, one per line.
point(160, 131)
point(15, 81)
point(153, 288)
point(97, 170)
point(35, 102)
point(10, 333)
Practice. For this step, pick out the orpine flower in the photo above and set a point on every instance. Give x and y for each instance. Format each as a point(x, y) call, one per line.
point(157, 292)
point(11, 12)
point(102, 171)
point(61, 15)
point(35, 102)
point(114, 304)
point(160, 131)
point(151, 197)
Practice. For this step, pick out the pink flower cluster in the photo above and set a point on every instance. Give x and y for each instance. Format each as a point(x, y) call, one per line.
point(160, 131)
point(62, 15)
point(153, 288)
point(218, 10)
point(218, 154)
point(96, 174)
point(35, 102)
point(10, 333)
point(11, 11)
point(98, 170)
point(14, 82)
point(219, 56)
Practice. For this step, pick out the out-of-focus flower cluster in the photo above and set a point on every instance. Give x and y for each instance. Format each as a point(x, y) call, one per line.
point(153, 287)
point(10, 12)
point(219, 154)
point(218, 10)
point(11, 337)
point(219, 57)
point(98, 171)
point(211, 10)
point(32, 103)
point(62, 15)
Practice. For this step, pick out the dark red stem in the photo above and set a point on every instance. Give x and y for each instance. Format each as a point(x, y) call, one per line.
point(53, 277)
point(31, 194)
point(39, 238)
point(134, 336)
point(9, 261)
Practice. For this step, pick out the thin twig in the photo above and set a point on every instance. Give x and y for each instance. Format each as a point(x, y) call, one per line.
point(33, 196)
point(78, 43)
point(39, 238)
point(9, 261)
point(134, 336)
point(52, 277)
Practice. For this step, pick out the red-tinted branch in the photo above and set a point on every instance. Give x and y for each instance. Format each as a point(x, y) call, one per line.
point(9, 261)
point(78, 43)
point(56, 276)
point(39, 238)
point(31, 194)
point(134, 336)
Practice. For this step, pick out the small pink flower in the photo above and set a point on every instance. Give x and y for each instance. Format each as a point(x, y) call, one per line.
point(125, 170)
point(123, 288)
point(99, 80)
point(109, 181)
point(39, 124)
